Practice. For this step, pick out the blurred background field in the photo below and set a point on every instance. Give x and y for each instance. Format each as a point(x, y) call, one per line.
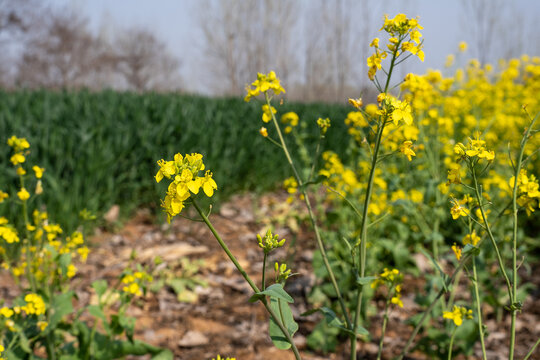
point(100, 149)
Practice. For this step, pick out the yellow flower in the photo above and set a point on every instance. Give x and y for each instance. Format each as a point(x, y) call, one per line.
point(462, 46)
point(323, 124)
point(406, 149)
point(39, 171)
point(471, 238)
point(6, 312)
point(357, 103)
point(267, 113)
point(3, 196)
point(34, 304)
point(457, 314)
point(457, 251)
point(17, 158)
point(263, 84)
point(42, 325)
point(454, 174)
point(402, 111)
point(263, 131)
point(458, 210)
point(71, 271)
point(208, 184)
point(18, 144)
point(23, 194)
point(290, 118)
point(222, 358)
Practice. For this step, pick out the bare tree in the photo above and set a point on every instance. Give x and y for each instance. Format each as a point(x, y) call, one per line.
point(145, 62)
point(481, 20)
point(63, 54)
point(17, 18)
point(246, 37)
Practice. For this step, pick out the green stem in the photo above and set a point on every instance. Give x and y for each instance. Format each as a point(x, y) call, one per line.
point(264, 271)
point(532, 350)
point(513, 308)
point(318, 238)
point(451, 343)
point(383, 331)
point(430, 308)
point(478, 309)
point(364, 224)
point(248, 279)
point(490, 235)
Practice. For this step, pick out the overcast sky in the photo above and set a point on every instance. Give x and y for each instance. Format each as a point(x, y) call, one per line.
point(176, 22)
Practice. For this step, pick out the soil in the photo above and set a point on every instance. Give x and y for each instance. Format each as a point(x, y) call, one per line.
point(216, 318)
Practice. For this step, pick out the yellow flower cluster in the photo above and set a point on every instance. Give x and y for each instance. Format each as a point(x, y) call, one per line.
point(407, 149)
point(42, 261)
point(391, 278)
point(356, 123)
point(471, 238)
point(7, 232)
point(133, 283)
point(34, 305)
point(282, 273)
point(404, 37)
point(263, 84)
point(267, 113)
point(222, 358)
point(323, 124)
point(184, 173)
point(458, 209)
point(457, 314)
point(270, 241)
point(290, 119)
point(20, 146)
point(528, 193)
point(475, 147)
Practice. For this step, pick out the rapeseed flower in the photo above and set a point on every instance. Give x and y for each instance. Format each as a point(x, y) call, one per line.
point(406, 149)
point(183, 172)
point(457, 314)
point(264, 84)
point(23, 194)
point(269, 242)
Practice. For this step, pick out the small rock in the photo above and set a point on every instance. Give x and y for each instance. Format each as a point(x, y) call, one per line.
point(193, 339)
point(112, 215)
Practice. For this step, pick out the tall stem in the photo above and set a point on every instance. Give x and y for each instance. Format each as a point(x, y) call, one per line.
point(478, 309)
point(383, 330)
point(364, 224)
point(431, 306)
point(248, 279)
point(320, 243)
point(490, 235)
point(513, 308)
point(451, 343)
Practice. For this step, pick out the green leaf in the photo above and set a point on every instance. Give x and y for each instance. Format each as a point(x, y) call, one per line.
point(364, 280)
point(100, 286)
point(98, 313)
point(60, 306)
point(255, 298)
point(276, 291)
point(163, 355)
point(24, 343)
point(469, 248)
point(281, 309)
point(319, 179)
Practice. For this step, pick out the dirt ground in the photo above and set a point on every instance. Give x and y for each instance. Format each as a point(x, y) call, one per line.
point(217, 317)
